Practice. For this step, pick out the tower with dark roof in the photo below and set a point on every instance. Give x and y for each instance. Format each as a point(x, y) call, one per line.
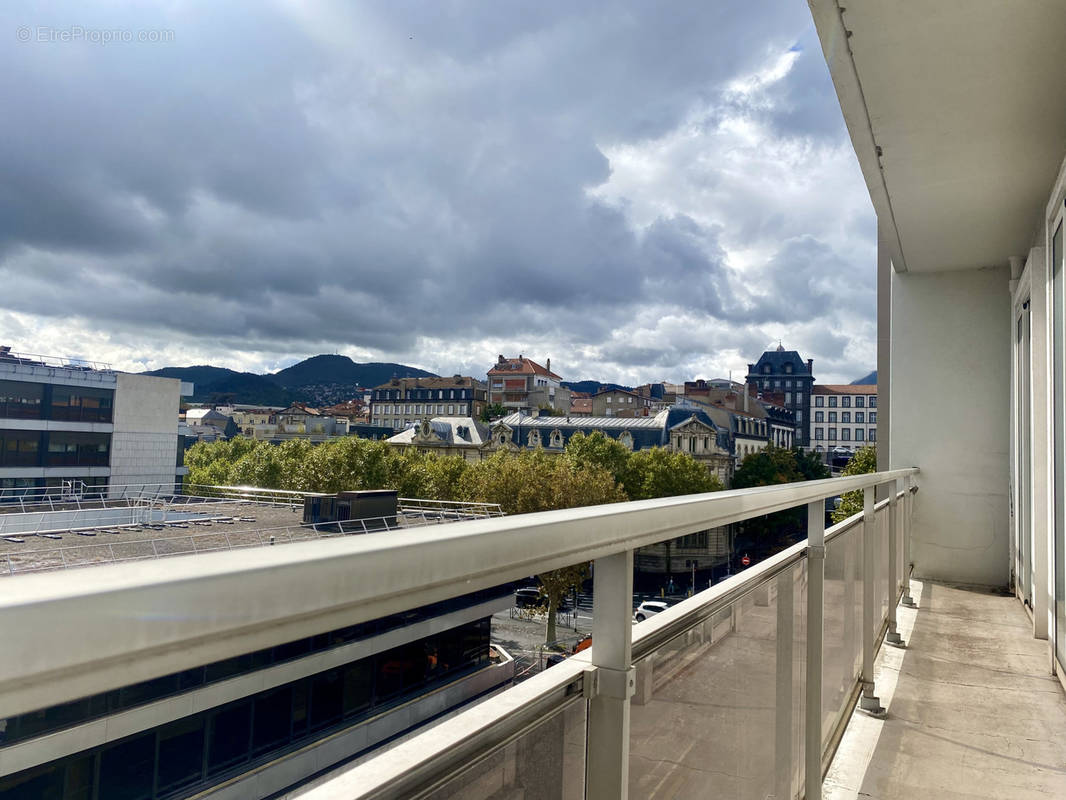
point(782, 375)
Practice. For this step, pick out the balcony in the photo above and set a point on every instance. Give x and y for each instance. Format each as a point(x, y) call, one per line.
point(711, 698)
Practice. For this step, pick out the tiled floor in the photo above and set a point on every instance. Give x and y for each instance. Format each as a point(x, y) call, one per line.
point(973, 711)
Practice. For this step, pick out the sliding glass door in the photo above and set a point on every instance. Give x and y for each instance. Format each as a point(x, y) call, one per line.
point(1023, 451)
point(1058, 354)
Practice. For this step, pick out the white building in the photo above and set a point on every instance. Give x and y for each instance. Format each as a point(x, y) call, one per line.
point(71, 423)
point(843, 417)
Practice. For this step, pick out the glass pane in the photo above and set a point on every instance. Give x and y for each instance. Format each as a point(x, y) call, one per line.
point(842, 625)
point(126, 769)
point(547, 762)
point(181, 753)
point(718, 711)
point(230, 731)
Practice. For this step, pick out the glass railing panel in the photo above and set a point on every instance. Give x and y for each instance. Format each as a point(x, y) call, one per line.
point(548, 760)
point(881, 601)
point(842, 625)
point(718, 709)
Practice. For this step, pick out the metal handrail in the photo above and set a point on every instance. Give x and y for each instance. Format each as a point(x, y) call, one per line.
point(351, 578)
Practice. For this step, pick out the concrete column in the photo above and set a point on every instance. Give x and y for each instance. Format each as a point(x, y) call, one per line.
point(884, 350)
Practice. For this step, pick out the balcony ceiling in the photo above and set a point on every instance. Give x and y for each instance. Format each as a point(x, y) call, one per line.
point(967, 101)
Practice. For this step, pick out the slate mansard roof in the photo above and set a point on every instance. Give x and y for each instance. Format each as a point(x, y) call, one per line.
point(647, 432)
point(777, 359)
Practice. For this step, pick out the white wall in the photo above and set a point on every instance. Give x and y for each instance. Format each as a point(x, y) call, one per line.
point(950, 416)
point(145, 439)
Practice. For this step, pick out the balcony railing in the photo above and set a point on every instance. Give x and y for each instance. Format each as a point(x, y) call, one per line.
point(741, 690)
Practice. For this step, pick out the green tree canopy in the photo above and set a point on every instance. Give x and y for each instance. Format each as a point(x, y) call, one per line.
point(863, 462)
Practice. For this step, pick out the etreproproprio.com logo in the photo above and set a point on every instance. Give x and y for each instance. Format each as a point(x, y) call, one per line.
point(47, 34)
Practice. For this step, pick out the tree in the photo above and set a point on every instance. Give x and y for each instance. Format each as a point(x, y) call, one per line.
point(492, 411)
point(768, 534)
point(531, 481)
point(864, 461)
point(665, 473)
point(598, 449)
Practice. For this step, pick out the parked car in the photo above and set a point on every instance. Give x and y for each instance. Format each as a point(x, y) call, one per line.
point(649, 608)
point(530, 597)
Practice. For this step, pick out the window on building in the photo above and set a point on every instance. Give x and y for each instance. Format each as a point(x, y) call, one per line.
point(845, 434)
point(873, 417)
point(788, 398)
point(832, 416)
point(858, 434)
point(845, 401)
point(819, 401)
point(860, 416)
point(819, 416)
point(832, 402)
point(777, 384)
point(78, 404)
point(845, 416)
point(799, 415)
point(873, 435)
point(819, 433)
point(20, 400)
point(451, 410)
point(832, 434)
point(860, 401)
point(873, 401)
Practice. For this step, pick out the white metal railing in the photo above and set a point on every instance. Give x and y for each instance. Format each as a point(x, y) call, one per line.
point(37, 360)
point(764, 627)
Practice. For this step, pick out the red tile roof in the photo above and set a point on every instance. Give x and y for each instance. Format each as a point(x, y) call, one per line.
point(520, 366)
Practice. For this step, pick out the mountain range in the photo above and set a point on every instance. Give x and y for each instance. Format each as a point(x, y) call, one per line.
point(319, 381)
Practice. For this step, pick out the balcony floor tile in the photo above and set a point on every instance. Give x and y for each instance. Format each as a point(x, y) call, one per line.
point(973, 711)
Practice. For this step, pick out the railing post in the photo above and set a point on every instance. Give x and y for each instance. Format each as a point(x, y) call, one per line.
point(869, 702)
point(613, 678)
point(815, 616)
point(783, 691)
point(893, 637)
point(908, 508)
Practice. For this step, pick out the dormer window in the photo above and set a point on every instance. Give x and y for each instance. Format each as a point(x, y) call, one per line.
point(556, 439)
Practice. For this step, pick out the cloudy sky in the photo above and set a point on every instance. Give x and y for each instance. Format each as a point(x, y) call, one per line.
point(638, 190)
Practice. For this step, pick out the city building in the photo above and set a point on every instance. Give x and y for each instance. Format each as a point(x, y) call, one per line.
point(208, 417)
point(522, 385)
point(445, 436)
point(404, 401)
point(688, 429)
point(620, 403)
point(843, 418)
point(784, 372)
point(66, 422)
point(580, 404)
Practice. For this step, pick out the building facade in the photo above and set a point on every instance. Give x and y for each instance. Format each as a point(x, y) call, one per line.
point(404, 401)
point(63, 424)
point(785, 372)
point(843, 417)
point(620, 403)
point(524, 386)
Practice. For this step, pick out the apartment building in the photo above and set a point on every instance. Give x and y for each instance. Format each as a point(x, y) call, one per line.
point(72, 423)
point(620, 403)
point(843, 417)
point(522, 385)
point(404, 401)
point(784, 372)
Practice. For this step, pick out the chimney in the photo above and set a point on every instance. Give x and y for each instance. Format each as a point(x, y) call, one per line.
point(746, 401)
point(810, 366)
point(519, 356)
point(548, 366)
point(500, 359)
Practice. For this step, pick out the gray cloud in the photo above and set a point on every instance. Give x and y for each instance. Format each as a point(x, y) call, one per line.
point(383, 179)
